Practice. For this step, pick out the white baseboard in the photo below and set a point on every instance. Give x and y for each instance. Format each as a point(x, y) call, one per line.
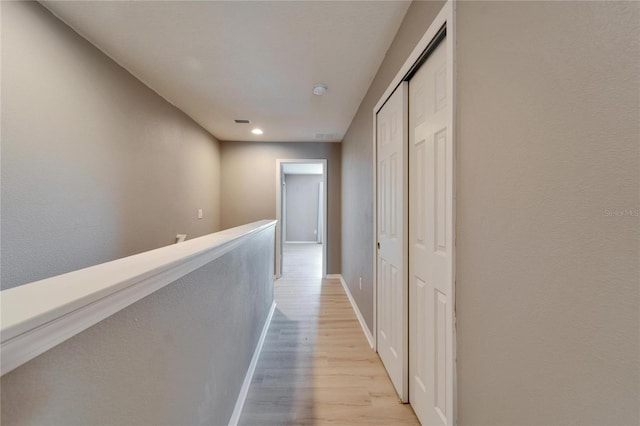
point(363, 324)
point(244, 390)
point(333, 276)
point(302, 242)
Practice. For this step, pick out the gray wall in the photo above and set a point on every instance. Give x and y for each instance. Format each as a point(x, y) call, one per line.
point(357, 169)
point(249, 185)
point(548, 161)
point(547, 283)
point(95, 166)
point(177, 357)
point(302, 207)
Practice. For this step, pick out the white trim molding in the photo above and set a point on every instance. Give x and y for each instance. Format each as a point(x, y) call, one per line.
point(244, 390)
point(42, 314)
point(356, 310)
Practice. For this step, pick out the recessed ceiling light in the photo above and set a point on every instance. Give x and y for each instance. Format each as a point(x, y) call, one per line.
point(320, 89)
point(257, 131)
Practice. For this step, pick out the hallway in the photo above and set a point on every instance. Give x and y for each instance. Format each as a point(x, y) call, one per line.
point(316, 366)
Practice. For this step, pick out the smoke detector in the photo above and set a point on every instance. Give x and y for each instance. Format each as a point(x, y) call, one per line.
point(320, 89)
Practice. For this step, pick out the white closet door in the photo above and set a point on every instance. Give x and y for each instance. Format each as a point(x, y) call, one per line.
point(392, 292)
point(430, 241)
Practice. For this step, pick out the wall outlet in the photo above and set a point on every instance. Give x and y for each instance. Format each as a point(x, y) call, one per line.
point(199, 213)
point(360, 283)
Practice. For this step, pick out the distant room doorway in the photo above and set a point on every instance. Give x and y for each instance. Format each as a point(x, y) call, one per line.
point(301, 208)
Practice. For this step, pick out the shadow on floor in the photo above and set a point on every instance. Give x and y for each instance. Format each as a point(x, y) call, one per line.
point(280, 392)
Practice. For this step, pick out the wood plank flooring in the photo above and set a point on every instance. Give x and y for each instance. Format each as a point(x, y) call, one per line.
point(316, 366)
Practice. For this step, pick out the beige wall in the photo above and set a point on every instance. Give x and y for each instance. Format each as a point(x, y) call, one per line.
point(548, 276)
point(357, 165)
point(547, 283)
point(249, 184)
point(95, 166)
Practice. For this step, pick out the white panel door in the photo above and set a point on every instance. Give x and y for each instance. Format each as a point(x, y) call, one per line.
point(430, 241)
point(392, 292)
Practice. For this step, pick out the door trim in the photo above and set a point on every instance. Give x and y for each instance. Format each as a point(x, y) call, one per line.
point(279, 233)
point(445, 18)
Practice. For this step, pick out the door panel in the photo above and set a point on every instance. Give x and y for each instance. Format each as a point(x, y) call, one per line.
point(430, 241)
point(392, 292)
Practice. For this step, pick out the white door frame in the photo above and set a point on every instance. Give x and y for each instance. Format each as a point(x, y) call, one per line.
point(445, 18)
point(279, 211)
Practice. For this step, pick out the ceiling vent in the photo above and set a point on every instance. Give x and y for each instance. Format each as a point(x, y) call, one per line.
point(326, 136)
point(242, 121)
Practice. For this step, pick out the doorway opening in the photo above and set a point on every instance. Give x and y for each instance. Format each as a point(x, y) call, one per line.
point(301, 212)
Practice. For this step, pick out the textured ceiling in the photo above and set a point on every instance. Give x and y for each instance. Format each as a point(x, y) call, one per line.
point(224, 60)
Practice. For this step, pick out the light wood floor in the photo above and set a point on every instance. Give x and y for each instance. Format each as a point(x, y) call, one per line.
point(316, 366)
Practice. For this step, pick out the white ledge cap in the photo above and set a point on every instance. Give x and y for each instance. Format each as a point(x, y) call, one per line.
point(32, 306)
